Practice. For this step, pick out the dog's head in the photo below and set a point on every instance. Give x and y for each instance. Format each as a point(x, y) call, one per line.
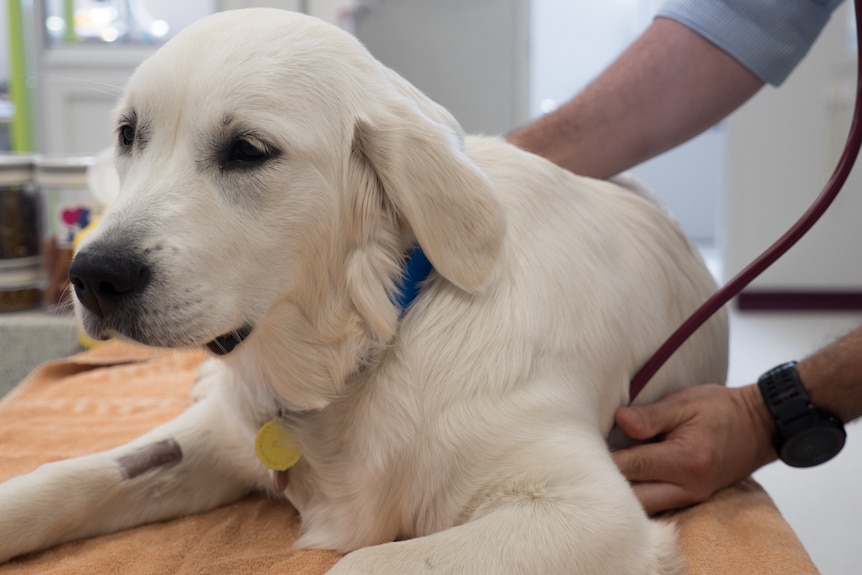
point(272, 175)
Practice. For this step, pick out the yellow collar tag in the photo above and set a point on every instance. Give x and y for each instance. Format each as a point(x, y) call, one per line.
point(274, 447)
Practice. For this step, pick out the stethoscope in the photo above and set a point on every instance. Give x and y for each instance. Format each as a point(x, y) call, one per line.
point(776, 250)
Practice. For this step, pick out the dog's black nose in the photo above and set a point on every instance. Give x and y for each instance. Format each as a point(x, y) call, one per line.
point(104, 278)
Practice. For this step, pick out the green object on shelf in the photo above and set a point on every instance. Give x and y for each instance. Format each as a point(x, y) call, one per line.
point(21, 128)
point(69, 19)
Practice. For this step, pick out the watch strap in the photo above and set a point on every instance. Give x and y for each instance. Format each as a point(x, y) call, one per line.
point(806, 435)
point(785, 396)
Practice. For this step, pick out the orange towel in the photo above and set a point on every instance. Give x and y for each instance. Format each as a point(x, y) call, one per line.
point(112, 394)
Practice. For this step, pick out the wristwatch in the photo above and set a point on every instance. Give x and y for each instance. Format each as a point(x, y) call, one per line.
point(807, 436)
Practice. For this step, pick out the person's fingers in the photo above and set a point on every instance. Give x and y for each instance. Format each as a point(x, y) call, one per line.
point(649, 462)
point(648, 421)
point(658, 496)
point(630, 423)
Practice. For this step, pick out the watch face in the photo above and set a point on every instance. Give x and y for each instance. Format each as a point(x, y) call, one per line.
point(813, 446)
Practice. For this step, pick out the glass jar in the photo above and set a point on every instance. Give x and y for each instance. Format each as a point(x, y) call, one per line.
point(21, 276)
point(69, 206)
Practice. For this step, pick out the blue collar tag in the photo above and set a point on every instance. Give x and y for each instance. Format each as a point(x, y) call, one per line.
point(416, 270)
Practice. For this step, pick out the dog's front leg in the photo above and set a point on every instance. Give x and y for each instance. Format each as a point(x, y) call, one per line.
point(200, 460)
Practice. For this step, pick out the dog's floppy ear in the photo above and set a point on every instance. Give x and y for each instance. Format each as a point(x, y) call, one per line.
point(444, 198)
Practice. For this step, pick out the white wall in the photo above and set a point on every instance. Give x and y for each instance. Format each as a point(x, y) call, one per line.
point(470, 56)
point(570, 44)
point(782, 147)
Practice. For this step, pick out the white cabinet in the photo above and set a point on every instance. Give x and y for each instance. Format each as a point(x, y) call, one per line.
point(75, 79)
point(78, 89)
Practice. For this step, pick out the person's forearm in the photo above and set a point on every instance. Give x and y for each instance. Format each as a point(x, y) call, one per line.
point(666, 88)
point(833, 377)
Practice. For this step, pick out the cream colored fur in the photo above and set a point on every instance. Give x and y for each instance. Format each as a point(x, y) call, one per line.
point(466, 437)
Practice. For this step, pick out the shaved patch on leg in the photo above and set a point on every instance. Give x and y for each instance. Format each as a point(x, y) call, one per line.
point(159, 454)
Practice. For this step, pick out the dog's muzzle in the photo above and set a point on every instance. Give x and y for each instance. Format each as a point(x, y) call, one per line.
point(110, 281)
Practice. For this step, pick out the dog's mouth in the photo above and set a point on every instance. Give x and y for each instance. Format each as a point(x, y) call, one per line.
point(224, 344)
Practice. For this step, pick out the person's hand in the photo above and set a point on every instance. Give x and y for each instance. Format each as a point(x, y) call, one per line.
point(709, 437)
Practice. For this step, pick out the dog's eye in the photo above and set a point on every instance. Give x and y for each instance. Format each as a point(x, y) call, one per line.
point(126, 135)
point(243, 153)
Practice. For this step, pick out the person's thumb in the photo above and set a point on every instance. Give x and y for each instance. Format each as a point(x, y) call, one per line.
point(647, 421)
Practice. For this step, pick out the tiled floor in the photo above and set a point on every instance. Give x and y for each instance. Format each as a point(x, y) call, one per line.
point(822, 504)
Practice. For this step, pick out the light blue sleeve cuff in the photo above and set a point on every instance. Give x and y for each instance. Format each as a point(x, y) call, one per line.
point(769, 37)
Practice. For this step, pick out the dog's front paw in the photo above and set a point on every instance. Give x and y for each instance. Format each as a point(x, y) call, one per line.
point(366, 561)
point(389, 559)
point(22, 519)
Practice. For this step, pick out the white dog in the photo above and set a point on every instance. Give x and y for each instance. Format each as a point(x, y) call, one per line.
point(274, 179)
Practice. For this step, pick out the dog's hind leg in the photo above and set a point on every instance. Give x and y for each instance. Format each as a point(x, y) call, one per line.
point(589, 523)
point(198, 461)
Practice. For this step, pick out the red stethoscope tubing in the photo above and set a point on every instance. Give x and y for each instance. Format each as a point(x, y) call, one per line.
point(776, 250)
